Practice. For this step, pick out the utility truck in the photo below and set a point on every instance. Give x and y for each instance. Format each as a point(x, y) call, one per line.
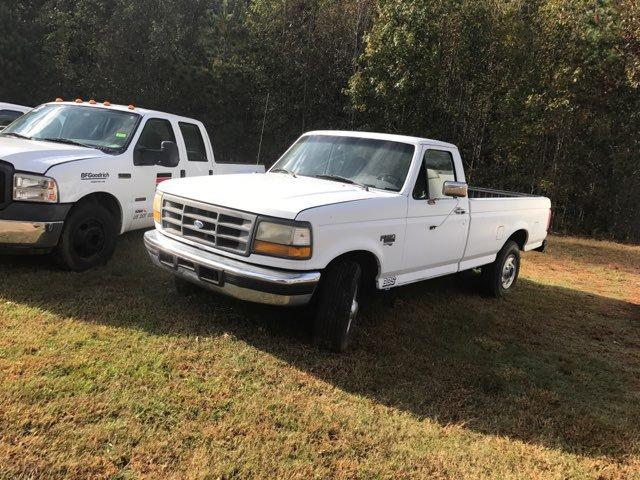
point(341, 213)
point(74, 175)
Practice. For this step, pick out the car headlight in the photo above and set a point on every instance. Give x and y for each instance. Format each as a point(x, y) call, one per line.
point(157, 207)
point(34, 188)
point(283, 239)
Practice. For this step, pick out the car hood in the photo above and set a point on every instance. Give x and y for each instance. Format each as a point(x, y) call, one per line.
point(273, 194)
point(37, 157)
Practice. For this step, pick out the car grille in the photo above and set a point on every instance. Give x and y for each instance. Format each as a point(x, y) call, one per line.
point(6, 177)
point(209, 225)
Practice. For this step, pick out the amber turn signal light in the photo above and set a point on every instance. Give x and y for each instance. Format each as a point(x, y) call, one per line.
point(276, 249)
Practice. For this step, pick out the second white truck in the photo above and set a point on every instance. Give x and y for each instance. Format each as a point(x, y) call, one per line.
point(339, 213)
point(75, 175)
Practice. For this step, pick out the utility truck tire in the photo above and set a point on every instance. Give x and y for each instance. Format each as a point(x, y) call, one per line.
point(88, 238)
point(337, 305)
point(499, 277)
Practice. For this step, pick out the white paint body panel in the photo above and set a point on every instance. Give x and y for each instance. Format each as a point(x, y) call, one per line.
point(430, 239)
point(66, 164)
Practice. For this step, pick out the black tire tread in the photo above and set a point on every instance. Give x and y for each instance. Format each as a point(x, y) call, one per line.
point(334, 305)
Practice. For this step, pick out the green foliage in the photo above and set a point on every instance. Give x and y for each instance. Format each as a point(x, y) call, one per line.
point(541, 95)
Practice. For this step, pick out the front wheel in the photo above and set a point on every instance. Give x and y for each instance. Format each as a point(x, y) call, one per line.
point(88, 238)
point(337, 307)
point(499, 277)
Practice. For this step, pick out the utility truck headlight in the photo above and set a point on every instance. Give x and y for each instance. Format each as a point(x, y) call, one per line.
point(34, 188)
point(157, 207)
point(286, 240)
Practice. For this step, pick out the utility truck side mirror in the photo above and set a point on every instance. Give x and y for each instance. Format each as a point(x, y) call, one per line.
point(454, 189)
point(170, 157)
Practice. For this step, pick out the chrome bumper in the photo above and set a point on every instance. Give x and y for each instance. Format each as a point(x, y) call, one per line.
point(26, 234)
point(230, 277)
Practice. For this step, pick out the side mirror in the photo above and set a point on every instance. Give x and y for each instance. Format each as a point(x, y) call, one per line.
point(454, 189)
point(170, 157)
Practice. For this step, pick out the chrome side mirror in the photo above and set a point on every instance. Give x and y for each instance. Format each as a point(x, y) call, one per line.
point(454, 189)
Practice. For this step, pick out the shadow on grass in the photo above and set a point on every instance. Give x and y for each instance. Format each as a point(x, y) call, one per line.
point(550, 365)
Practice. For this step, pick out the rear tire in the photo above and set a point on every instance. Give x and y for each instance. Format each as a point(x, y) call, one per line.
point(88, 238)
point(499, 277)
point(337, 307)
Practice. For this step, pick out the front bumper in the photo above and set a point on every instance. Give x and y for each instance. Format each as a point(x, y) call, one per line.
point(231, 277)
point(25, 226)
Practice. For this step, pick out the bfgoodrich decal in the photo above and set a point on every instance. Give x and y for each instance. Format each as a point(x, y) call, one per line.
point(94, 177)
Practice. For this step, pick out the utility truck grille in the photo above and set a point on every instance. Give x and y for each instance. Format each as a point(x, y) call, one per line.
point(209, 225)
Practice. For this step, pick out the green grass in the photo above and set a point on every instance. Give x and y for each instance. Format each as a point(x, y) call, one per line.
point(108, 374)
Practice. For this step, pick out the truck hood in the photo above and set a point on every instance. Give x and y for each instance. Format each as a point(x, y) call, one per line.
point(37, 157)
point(273, 194)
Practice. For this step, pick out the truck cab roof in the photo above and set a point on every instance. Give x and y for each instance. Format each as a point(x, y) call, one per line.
point(126, 108)
point(383, 136)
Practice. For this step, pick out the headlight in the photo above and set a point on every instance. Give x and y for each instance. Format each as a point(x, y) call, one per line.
point(157, 207)
point(34, 188)
point(286, 240)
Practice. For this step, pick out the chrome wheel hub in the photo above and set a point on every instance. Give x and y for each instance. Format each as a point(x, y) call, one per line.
point(353, 313)
point(509, 271)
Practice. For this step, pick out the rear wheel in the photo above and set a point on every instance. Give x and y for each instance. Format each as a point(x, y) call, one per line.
point(88, 238)
point(499, 277)
point(338, 306)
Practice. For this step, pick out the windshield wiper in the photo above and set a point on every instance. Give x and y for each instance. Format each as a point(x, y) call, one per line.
point(17, 135)
point(338, 178)
point(65, 141)
point(283, 170)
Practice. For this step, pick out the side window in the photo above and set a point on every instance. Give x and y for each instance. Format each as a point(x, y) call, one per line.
point(149, 145)
point(193, 141)
point(437, 168)
point(8, 116)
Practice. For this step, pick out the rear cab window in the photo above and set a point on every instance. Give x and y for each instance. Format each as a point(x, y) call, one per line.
point(194, 142)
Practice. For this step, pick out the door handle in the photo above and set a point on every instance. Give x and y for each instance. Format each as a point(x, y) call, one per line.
point(459, 211)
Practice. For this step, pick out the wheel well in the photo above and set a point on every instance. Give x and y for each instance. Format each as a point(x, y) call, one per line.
point(368, 263)
point(109, 202)
point(520, 237)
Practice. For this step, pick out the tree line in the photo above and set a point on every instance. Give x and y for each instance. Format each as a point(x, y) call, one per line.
point(542, 96)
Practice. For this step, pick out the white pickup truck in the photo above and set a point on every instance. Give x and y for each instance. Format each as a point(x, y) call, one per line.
point(9, 112)
point(74, 175)
point(339, 213)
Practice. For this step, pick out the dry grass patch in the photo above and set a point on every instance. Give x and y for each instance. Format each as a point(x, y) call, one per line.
point(108, 374)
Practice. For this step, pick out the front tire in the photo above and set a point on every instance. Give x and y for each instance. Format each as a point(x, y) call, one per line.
point(88, 238)
point(499, 277)
point(337, 307)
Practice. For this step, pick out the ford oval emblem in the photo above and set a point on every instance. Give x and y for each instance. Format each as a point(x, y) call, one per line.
point(198, 224)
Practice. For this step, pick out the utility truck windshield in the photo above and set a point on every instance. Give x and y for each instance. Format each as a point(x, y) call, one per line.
point(362, 161)
point(93, 127)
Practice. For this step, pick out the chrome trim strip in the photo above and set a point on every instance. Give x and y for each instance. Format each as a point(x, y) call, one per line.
point(16, 232)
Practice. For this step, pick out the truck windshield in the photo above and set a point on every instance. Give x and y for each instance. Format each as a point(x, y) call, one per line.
point(373, 163)
point(93, 127)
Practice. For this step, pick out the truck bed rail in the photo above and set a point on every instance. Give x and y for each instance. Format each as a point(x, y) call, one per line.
point(477, 192)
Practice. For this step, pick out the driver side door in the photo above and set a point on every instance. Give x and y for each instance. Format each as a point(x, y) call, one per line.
point(437, 225)
point(148, 149)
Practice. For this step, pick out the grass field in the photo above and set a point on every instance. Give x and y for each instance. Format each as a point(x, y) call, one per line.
point(108, 374)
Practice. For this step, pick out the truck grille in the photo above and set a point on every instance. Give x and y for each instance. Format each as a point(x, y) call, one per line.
point(209, 225)
point(6, 177)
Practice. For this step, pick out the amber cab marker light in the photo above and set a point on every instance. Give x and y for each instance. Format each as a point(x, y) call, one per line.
point(78, 100)
point(59, 100)
point(106, 103)
point(92, 102)
point(131, 107)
